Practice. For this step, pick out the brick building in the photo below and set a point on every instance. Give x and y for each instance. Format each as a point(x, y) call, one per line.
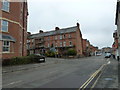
point(117, 23)
point(13, 29)
point(88, 49)
point(58, 40)
point(115, 43)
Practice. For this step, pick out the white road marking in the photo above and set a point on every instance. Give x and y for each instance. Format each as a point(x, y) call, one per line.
point(53, 72)
point(16, 82)
point(109, 62)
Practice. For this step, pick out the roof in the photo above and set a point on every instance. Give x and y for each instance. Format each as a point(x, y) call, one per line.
point(54, 32)
point(6, 37)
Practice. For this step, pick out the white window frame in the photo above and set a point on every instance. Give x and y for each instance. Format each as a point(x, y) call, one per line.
point(4, 25)
point(69, 35)
point(70, 42)
point(56, 45)
point(64, 44)
point(55, 37)
point(48, 45)
point(7, 46)
point(4, 6)
point(61, 37)
point(64, 36)
point(61, 44)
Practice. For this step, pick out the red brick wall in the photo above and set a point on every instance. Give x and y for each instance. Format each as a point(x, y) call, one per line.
point(79, 46)
point(58, 40)
point(16, 14)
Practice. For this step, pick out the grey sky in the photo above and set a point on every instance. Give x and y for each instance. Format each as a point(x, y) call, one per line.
point(96, 18)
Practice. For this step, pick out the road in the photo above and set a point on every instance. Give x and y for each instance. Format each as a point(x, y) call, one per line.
point(63, 73)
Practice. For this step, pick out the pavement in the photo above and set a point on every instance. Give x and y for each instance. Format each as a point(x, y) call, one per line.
point(8, 69)
point(109, 76)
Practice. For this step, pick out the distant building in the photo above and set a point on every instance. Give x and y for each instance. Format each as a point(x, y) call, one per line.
point(13, 29)
point(106, 49)
point(88, 49)
point(58, 40)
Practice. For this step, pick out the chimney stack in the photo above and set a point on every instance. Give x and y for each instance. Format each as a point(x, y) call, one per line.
point(57, 28)
point(41, 31)
point(78, 25)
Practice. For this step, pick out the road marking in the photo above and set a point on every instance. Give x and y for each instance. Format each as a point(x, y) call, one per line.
point(16, 82)
point(96, 81)
point(109, 62)
point(91, 78)
point(53, 71)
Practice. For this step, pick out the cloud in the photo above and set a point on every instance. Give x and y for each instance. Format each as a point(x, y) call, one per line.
point(96, 17)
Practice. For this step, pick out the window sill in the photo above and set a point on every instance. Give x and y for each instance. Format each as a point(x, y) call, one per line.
point(7, 52)
point(5, 11)
point(3, 32)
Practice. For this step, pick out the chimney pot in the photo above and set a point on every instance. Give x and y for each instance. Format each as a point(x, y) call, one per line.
point(41, 31)
point(78, 24)
point(57, 28)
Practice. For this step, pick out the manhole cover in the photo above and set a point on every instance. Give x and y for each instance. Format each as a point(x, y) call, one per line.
point(108, 79)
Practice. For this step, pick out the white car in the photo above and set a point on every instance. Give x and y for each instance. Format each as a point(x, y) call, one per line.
point(107, 55)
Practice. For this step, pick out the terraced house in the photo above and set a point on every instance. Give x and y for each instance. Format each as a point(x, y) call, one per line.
point(58, 40)
point(13, 28)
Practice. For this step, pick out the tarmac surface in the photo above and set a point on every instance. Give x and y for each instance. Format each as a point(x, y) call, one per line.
point(64, 71)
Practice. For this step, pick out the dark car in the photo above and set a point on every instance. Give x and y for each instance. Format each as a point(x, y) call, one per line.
point(39, 57)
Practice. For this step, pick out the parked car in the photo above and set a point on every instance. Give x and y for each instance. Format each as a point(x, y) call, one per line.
point(107, 55)
point(39, 57)
point(98, 54)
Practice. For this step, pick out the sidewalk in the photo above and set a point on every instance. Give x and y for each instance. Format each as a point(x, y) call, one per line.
point(7, 69)
point(109, 77)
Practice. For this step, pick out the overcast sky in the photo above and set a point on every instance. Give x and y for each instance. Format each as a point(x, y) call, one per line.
point(96, 18)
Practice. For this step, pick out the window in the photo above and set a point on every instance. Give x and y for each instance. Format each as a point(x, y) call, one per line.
point(6, 46)
point(60, 36)
point(48, 45)
point(5, 5)
point(56, 45)
point(69, 35)
point(70, 43)
point(64, 36)
point(64, 44)
point(4, 25)
point(32, 40)
point(60, 44)
point(48, 38)
point(55, 37)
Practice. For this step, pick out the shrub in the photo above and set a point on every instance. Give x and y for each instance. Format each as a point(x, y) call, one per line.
point(19, 60)
point(71, 52)
point(50, 54)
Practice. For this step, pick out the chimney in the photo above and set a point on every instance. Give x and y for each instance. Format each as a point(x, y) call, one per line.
point(57, 28)
point(41, 31)
point(28, 33)
point(78, 25)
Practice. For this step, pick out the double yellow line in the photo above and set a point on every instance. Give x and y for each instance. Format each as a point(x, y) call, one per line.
point(91, 78)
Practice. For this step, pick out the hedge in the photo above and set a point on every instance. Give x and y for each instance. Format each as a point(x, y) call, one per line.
point(19, 60)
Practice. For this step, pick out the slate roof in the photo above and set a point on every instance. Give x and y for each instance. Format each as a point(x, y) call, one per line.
point(7, 37)
point(53, 32)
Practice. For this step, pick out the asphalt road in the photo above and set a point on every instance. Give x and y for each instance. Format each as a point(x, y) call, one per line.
point(63, 73)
